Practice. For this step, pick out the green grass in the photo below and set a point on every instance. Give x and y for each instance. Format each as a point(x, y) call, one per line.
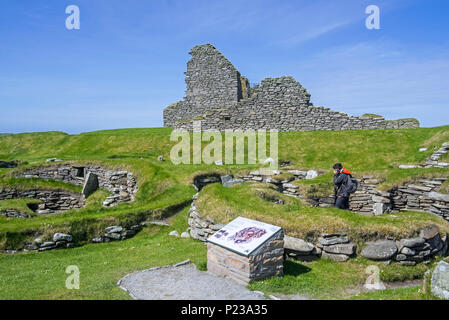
point(321, 279)
point(325, 279)
point(28, 184)
point(42, 275)
point(359, 150)
point(372, 115)
point(411, 293)
point(20, 205)
point(164, 188)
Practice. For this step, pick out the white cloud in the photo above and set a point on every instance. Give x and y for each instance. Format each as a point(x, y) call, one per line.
point(311, 34)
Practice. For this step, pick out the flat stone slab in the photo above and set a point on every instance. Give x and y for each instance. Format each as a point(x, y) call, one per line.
point(228, 180)
point(438, 196)
point(380, 250)
point(90, 184)
point(183, 282)
point(332, 240)
point(344, 248)
point(298, 245)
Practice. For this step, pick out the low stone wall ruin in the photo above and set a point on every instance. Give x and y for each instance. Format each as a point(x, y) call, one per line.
point(12, 213)
point(53, 201)
point(422, 195)
point(338, 246)
point(419, 196)
point(121, 184)
point(201, 228)
point(63, 240)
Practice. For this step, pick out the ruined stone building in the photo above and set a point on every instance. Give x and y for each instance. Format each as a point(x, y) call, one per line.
point(219, 96)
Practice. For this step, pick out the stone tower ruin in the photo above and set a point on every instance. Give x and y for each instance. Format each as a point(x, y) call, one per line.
point(221, 98)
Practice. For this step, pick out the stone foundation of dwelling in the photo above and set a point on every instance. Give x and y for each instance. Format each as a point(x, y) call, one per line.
point(53, 201)
point(121, 184)
point(63, 241)
point(420, 196)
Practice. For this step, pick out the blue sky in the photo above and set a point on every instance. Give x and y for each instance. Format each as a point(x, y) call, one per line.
point(127, 61)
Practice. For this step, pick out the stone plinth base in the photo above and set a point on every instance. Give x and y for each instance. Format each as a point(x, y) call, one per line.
point(266, 261)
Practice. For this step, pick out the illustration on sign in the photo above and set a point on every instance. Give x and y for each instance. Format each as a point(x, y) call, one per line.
point(243, 235)
point(247, 234)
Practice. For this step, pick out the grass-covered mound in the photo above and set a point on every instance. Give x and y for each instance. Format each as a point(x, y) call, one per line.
point(358, 149)
point(20, 205)
point(28, 184)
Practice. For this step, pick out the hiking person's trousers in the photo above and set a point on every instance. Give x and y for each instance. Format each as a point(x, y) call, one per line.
point(342, 203)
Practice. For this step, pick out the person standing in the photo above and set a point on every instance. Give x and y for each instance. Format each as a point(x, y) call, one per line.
point(342, 180)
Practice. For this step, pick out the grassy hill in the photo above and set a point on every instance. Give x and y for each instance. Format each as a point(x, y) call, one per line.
point(165, 189)
point(359, 149)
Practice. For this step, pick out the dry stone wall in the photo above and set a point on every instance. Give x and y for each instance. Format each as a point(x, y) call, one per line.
point(422, 195)
point(419, 196)
point(62, 240)
point(283, 104)
point(409, 251)
point(12, 213)
point(219, 97)
point(121, 184)
point(211, 81)
point(53, 201)
point(201, 227)
point(117, 233)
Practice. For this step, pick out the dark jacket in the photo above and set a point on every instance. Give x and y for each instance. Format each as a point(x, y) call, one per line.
point(341, 183)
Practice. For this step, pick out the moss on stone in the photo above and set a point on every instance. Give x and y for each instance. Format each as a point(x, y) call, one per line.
point(191, 119)
point(409, 120)
point(372, 115)
point(173, 105)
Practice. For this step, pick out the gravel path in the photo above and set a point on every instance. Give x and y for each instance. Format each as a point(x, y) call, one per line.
point(183, 281)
